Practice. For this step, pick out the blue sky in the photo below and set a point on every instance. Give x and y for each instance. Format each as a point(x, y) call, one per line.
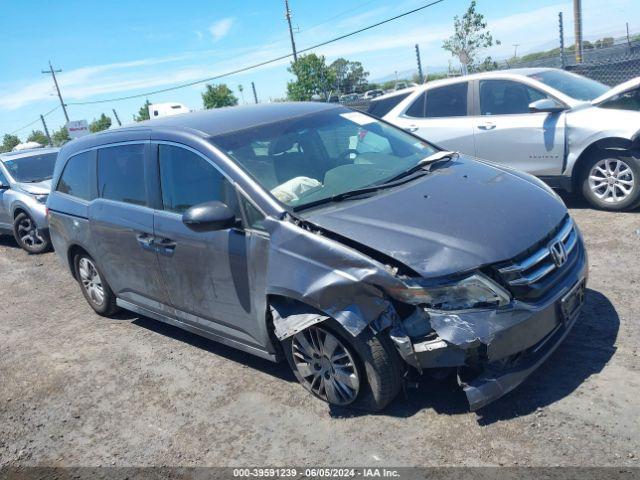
point(119, 48)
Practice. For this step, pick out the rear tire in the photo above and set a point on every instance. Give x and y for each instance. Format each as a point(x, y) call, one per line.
point(610, 180)
point(376, 364)
point(28, 236)
point(94, 287)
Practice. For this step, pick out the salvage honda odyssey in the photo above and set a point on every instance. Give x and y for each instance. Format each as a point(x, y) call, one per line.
point(356, 251)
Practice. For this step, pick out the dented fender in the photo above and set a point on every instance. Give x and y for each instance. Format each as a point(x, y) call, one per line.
point(327, 279)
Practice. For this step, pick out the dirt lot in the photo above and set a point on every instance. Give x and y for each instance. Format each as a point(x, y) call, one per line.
point(77, 389)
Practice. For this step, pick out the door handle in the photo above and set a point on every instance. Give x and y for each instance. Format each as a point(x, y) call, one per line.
point(412, 128)
point(487, 126)
point(146, 241)
point(165, 246)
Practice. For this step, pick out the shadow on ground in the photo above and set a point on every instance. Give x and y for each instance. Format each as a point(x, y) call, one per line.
point(8, 241)
point(585, 351)
point(280, 370)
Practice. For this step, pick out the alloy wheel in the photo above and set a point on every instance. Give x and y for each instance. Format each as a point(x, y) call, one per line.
point(611, 180)
point(28, 233)
point(326, 366)
point(91, 281)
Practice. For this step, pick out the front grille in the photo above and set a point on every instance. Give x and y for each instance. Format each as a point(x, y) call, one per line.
point(531, 274)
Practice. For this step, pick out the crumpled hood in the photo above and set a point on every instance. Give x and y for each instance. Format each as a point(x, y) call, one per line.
point(461, 216)
point(617, 90)
point(40, 188)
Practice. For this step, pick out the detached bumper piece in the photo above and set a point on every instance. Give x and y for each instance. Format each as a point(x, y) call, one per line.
point(499, 378)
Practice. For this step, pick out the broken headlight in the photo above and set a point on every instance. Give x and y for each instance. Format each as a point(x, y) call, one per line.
point(474, 292)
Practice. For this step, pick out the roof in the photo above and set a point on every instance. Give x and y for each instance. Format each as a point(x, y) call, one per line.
point(464, 78)
point(219, 121)
point(27, 153)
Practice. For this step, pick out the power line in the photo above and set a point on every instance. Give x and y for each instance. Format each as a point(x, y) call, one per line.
point(260, 64)
point(36, 120)
point(338, 15)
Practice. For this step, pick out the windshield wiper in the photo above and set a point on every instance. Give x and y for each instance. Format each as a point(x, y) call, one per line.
point(395, 181)
point(431, 159)
point(338, 197)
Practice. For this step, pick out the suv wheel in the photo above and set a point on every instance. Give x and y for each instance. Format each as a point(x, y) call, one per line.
point(362, 372)
point(28, 236)
point(611, 180)
point(94, 288)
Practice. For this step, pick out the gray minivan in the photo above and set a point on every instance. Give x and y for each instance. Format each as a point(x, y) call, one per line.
point(320, 235)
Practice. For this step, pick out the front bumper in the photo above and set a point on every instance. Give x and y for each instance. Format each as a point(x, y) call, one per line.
point(496, 350)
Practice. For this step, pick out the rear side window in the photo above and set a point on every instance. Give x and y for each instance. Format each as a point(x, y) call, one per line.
point(417, 107)
point(74, 180)
point(121, 174)
point(447, 101)
point(187, 179)
point(379, 108)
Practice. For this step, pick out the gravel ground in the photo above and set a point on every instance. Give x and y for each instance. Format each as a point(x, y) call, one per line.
point(80, 390)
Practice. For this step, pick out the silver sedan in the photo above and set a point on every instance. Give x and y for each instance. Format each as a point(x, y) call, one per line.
point(25, 182)
point(570, 131)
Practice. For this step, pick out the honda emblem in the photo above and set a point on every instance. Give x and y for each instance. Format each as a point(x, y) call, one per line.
point(558, 253)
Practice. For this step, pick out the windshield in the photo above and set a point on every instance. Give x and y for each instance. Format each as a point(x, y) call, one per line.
point(31, 169)
point(314, 157)
point(572, 85)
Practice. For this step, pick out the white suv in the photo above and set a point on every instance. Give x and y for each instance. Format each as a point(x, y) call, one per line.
point(572, 132)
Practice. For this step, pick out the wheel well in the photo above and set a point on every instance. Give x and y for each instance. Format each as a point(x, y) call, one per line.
point(71, 254)
point(611, 143)
point(17, 212)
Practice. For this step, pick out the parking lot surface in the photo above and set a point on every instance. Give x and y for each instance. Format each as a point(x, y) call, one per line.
point(77, 389)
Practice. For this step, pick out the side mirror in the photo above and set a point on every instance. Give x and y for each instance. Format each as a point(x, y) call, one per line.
point(546, 105)
point(209, 217)
point(3, 186)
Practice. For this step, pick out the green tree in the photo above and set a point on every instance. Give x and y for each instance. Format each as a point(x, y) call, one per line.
point(350, 76)
point(470, 38)
point(216, 96)
point(313, 77)
point(60, 137)
point(143, 113)
point(8, 142)
point(102, 123)
point(38, 136)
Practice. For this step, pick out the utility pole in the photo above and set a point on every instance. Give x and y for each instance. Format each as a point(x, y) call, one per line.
point(255, 95)
point(515, 53)
point(115, 114)
point(55, 81)
point(577, 25)
point(287, 14)
point(628, 38)
point(420, 76)
point(46, 131)
point(561, 32)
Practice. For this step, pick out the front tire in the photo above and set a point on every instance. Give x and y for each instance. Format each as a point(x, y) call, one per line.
point(610, 180)
point(28, 236)
point(363, 372)
point(95, 289)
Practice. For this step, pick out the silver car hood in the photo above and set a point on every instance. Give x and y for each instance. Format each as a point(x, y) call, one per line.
point(617, 90)
point(39, 188)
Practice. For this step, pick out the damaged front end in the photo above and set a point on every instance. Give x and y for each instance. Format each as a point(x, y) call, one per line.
point(489, 332)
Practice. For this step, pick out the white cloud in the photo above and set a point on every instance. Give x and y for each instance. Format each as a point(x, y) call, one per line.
point(220, 28)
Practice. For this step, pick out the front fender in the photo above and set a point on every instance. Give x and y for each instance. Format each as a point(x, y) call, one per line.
point(329, 278)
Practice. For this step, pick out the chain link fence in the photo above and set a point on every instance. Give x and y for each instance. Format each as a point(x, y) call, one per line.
point(610, 65)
